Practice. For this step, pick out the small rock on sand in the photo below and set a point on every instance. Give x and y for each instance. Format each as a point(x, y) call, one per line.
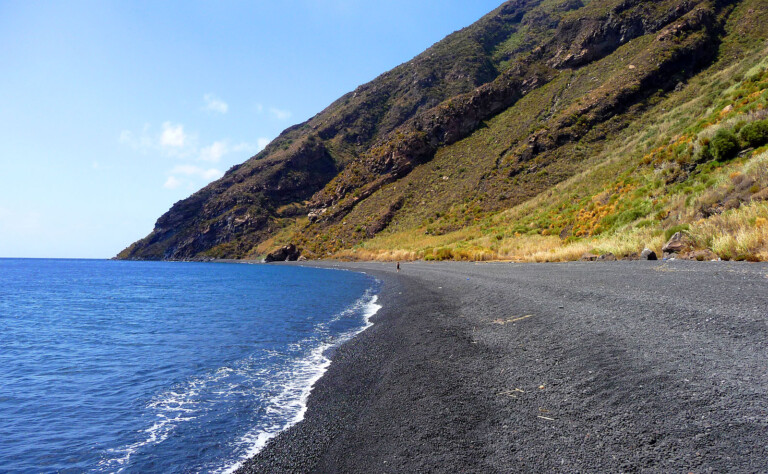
point(648, 254)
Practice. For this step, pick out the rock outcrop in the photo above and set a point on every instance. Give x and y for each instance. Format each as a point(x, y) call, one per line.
point(289, 253)
point(679, 243)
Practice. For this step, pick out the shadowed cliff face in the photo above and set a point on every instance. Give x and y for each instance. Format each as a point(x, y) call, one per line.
point(314, 175)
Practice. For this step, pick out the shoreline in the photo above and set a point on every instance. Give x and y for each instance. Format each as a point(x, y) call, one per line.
point(323, 354)
point(340, 398)
point(561, 367)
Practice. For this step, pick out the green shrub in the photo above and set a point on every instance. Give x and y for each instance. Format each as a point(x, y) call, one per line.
point(724, 145)
point(755, 134)
point(644, 223)
point(704, 154)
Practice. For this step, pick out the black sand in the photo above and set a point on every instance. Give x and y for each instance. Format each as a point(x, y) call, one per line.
point(606, 367)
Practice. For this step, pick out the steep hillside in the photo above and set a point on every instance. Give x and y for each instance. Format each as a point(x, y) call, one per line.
point(546, 130)
point(268, 191)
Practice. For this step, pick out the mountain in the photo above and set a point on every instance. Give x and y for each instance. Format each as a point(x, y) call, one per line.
point(546, 130)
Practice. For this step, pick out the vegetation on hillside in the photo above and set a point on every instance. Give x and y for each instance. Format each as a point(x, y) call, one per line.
point(664, 174)
point(547, 130)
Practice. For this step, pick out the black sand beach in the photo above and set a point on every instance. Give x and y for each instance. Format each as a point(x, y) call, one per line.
point(580, 367)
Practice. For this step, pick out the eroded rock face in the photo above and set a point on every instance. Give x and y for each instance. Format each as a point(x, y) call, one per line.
point(289, 253)
point(416, 141)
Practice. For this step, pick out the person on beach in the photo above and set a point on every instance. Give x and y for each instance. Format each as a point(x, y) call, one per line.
point(398, 267)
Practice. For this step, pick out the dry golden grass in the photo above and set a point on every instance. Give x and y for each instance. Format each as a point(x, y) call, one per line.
point(523, 248)
point(378, 255)
point(739, 234)
point(561, 253)
point(552, 249)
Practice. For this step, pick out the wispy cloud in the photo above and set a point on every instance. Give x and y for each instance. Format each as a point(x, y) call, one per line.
point(173, 136)
point(214, 152)
point(126, 137)
point(187, 176)
point(280, 114)
point(141, 141)
point(214, 104)
point(192, 170)
point(262, 143)
point(172, 182)
point(172, 140)
point(217, 150)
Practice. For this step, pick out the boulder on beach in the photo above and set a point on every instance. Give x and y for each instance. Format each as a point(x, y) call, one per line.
point(678, 243)
point(648, 254)
point(289, 253)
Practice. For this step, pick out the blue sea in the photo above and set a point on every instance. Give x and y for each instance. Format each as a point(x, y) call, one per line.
point(109, 366)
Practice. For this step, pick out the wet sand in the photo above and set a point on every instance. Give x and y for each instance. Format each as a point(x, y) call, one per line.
point(589, 367)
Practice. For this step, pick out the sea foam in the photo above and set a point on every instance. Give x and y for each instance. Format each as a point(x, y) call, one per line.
point(290, 405)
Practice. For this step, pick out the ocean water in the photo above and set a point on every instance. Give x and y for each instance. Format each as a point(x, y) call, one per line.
point(110, 366)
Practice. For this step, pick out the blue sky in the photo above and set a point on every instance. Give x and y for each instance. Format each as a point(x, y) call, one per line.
point(111, 111)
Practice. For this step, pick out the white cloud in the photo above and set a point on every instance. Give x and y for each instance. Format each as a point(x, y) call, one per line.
point(212, 174)
point(214, 152)
point(243, 147)
point(172, 182)
point(262, 143)
point(217, 150)
point(192, 170)
point(171, 141)
point(173, 136)
point(250, 148)
point(214, 104)
point(185, 175)
point(142, 141)
point(280, 114)
point(126, 137)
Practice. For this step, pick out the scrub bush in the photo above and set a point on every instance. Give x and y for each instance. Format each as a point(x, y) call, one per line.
point(755, 134)
point(724, 145)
